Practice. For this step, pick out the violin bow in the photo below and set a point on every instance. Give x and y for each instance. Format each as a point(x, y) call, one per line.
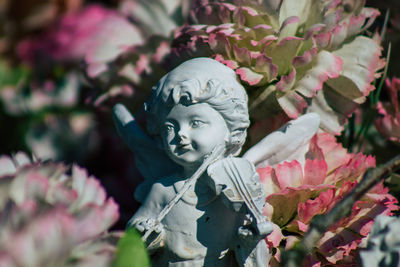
point(217, 151)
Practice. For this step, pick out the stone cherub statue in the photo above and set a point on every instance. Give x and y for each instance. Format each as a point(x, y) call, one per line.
point(201, 205)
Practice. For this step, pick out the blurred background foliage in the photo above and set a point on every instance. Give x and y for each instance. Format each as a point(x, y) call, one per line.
point(57, 122)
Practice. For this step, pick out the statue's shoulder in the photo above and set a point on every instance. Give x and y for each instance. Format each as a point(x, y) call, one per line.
point(165, 183)
point(160, 186)
point(163, 188)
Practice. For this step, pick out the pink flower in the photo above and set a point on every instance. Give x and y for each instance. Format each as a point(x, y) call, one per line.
point(296, 193)
point(388, 122)
point(87, 35)
point(48, 213)
point(77, 35)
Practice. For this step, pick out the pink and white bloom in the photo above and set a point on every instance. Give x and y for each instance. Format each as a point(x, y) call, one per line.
point(47, 213)
point(296, 193)
point(86, 35)
point(77, 34)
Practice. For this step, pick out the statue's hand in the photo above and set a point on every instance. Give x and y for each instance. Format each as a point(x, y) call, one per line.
point(253, 230)
point(122, 115)
point(251, 249)
point(149, 224)
point(248, 236)
point(156, 238)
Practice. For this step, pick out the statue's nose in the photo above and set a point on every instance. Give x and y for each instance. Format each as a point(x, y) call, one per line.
point(183, 135)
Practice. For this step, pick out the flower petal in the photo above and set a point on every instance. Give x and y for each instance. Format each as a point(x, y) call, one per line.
point(293, 104)
point(326, 65)
point(361, 59)
point(249, 76)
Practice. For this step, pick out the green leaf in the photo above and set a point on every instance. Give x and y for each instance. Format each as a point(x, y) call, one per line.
point(131, 251)
point(11, 76)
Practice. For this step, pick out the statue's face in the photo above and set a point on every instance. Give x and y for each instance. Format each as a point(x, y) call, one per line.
point(191, 132)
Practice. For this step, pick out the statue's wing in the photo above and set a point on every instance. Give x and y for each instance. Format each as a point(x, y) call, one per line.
point(289, 142)
point(151, 161)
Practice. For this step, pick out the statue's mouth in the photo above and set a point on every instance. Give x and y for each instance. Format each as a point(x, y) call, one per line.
point(184, 145)
point(183, 148)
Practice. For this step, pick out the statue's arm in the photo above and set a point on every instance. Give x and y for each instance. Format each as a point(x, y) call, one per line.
point(136, 139)
point(145, 218)
point(150, 160)
point(229, 177)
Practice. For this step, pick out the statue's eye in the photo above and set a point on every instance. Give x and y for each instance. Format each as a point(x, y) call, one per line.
point(196, 123)
point(169, 127)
